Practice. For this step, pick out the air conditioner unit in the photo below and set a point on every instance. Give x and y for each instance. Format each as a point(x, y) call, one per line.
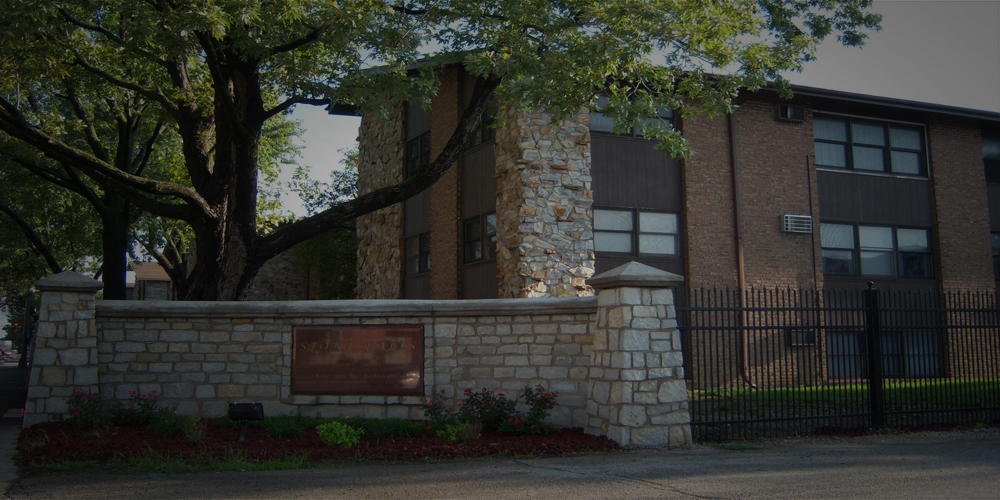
point(796, 222)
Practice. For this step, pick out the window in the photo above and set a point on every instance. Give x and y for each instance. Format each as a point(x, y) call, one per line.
point(991, 157)
point(616, 231)
point(480, 238)
point(484, 131)
point(869, 146)
point(791, 112)
point(418, 153)
point(418, 254)
point(996, 256)
point(601, 123)
point(907, 354)
point(876, 251)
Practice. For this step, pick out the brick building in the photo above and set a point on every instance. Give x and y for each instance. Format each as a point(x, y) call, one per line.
point(826, 190)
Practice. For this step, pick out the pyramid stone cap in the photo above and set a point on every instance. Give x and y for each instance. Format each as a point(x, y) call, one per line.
point(68, 281)
point(635, 274)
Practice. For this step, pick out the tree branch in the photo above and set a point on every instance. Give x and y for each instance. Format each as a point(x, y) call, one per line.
point(155, 96)
point(33, 238)
point(293, 101)
point(292, 234)
point(310, 37)
point(90, 133)
point(113, 38)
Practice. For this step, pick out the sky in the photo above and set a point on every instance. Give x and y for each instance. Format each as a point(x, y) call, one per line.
point(943, 52)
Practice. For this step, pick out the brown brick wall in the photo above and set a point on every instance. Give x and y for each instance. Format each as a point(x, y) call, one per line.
point(776, 174)
point(960, 203)
point(445, 213)
point(708, 195)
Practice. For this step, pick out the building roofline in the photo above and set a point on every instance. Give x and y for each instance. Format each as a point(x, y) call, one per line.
point(893, 102)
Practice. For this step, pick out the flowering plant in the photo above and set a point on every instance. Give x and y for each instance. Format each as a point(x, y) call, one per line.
point(85, 411)
point(495, 411)
point(144, 409)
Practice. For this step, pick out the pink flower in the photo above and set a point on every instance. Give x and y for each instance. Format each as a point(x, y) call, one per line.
point(468, 391)
point(428, 427)
point(547, 394)
point(430, 405)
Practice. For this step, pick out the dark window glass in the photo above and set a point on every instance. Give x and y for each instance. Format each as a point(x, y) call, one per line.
point(881, 251)
point(480, 238)
point(418, 153)
point(655, 235)
point(996, 256)
point(991, 157)
point(868, 145)
point(418, 254)
point(601, 123)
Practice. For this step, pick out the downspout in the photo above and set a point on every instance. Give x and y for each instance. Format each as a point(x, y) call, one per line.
point(744, 351)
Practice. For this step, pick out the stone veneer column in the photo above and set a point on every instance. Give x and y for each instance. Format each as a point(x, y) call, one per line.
point(380, 233)
point(65, 347)
point(636, 391)
point(544, 199)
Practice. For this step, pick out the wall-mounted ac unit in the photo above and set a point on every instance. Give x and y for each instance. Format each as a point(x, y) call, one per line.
point(796, 222)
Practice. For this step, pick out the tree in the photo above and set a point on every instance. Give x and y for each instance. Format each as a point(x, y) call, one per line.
point(43, 231)
point(210, 67)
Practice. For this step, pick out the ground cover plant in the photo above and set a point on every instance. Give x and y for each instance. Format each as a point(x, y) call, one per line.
point(170, 443)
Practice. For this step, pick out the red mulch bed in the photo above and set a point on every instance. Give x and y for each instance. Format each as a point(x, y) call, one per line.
point(65, 444)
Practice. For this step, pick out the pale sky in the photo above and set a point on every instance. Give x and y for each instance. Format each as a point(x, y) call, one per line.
point(943, 52)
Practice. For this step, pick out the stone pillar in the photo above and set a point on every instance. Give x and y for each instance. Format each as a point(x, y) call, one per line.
point(65, 347)
point(636, 391)
point(544, 198)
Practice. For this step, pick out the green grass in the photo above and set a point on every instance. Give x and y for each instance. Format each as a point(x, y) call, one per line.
point(910, 395)
point(739, 446)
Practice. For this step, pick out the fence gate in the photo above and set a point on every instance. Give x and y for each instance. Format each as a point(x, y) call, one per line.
point(773, 363)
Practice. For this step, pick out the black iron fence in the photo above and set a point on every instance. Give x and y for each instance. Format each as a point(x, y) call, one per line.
point(771, 363)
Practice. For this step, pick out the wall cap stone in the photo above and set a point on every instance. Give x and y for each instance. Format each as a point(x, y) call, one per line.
point(637, 275)
point(340, 308)
point(68, 281)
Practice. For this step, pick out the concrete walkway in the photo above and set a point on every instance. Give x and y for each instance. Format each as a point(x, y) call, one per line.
point(927, 465)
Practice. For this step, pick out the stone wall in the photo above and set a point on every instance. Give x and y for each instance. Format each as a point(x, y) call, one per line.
point(201, 356)
point(380, 233)
point(544, 198)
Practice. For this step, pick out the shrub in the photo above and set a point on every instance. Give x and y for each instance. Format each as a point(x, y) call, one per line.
point(385, 427)
point(462, 431)
point(338, 434)
point(495, 411)
point(194, 429)
point(169, 424)
point(144, 410)
point(85, 411)
point(288, 426)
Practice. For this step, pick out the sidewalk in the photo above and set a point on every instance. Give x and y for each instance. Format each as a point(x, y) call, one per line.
point(13, 384)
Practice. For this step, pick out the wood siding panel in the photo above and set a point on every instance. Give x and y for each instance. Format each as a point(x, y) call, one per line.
point(628, 172)
point(479, 281)
point(993, 197)
point(875, 199)
point(418, 120)
point(479, 183)
point(417, 287)
point(417, 212)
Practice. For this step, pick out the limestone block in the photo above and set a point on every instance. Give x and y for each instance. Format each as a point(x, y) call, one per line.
point(680, 435)
point(672, 418)
point(180, 390)
point(672, 391)
point(45, 357)
point(635, 340)
point(600, 392)
point(53, 376)
point(85, 375)
point(650, 436)
point(56, 405)
point(74, 357)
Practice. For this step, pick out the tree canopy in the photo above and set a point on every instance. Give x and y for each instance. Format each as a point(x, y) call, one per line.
point(216, 72)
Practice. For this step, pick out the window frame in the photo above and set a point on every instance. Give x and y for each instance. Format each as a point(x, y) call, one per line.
point(668, 116)
point(898, 267)
point(481, 239)
point(991, 159)
point(423, 254)
point(636, 233)
point(887, 148)
point(421, 144)
point(995, 237)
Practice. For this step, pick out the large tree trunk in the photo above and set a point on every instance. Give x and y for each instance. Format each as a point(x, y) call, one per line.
point(115, 238)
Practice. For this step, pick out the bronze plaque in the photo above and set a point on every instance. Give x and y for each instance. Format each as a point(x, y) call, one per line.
point(348, 360)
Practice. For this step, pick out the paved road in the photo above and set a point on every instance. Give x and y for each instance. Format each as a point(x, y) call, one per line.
point(929, 465)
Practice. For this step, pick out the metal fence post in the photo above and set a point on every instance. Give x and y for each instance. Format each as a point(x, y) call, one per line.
point(875, 376)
